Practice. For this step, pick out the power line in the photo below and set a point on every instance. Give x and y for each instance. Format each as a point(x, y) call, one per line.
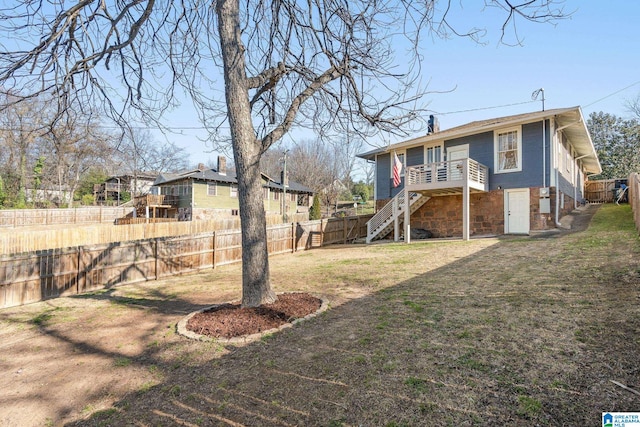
point(611, 94)
point(483, 108)
point(182, 128)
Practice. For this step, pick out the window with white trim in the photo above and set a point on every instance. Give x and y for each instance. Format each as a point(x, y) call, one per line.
point(233, 190)
point(212, 189)
point(433, 154)
point(508, 150)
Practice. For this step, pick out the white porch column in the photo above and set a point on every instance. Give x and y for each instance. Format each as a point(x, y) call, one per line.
point(407, 216)
point(465, 199)
point(396, 220)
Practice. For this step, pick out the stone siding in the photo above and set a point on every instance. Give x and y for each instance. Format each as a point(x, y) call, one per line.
point(442, 215)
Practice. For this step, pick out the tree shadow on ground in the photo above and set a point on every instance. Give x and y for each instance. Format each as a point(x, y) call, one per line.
point(524, 332)
point(163, 303)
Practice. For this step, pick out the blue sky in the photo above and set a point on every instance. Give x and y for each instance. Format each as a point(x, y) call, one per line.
point(592, 55)
point(579, 61)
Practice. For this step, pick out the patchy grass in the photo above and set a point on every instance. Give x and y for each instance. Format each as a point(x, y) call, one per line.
point(121, 362)
point(505, 331)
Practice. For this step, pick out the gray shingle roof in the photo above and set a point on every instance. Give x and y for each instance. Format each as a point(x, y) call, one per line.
point(213, 175)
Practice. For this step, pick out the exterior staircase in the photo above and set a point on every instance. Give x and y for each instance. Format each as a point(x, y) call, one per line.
point(382, 222)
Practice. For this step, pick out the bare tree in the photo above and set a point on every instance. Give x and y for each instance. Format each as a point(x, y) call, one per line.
point(271, 162)
point(324, 167)
point(21, 128)
point(46, 151)
point(326, 64)
point(139, 151)
point(633, 106)
point(314, 164)
point(73, 144)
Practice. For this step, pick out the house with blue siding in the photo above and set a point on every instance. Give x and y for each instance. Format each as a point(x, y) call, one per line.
point(507, 175)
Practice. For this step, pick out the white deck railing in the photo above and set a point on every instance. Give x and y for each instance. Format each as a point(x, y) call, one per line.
point(448, 171)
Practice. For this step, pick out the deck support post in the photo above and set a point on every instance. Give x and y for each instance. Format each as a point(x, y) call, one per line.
point(396, 221)
point(465, 200)
point(407, 216)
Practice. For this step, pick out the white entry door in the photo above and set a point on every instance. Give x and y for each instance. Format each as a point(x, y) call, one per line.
point(458, 152)
point(516, 211)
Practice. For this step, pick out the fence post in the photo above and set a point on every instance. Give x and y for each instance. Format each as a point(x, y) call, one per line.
point(293, 237)
point(155, 256)
point(344, 229)
point(213, 256)
point(78, 275)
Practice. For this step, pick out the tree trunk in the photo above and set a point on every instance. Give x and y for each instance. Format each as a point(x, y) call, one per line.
point(256, 286)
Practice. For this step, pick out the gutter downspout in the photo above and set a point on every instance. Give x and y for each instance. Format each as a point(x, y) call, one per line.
point(544, 151)
point(575, 187)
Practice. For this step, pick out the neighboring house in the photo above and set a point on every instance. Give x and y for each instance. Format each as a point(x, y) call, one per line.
point(203, 193)
point(137, 184)
point(47, 196)
point(508, 175)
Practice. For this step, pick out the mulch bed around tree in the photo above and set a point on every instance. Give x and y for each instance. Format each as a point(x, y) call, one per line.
point(231, 320)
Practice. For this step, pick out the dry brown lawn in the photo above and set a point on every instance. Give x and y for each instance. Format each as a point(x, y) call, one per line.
point(500, 331)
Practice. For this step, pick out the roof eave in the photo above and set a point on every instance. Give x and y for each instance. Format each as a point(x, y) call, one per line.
point(576, 130)
point(580, 139)
point(466, 130)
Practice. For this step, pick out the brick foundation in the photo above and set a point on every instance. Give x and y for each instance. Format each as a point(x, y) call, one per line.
point(442, 216)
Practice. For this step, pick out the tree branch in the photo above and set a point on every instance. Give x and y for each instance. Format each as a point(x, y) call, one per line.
point(277, 133)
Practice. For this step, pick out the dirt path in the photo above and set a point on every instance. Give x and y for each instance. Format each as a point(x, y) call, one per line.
point(517, 331)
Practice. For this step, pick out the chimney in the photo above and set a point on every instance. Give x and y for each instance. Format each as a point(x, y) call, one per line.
point(433, 125)
point(222, 165)
point(201, 166)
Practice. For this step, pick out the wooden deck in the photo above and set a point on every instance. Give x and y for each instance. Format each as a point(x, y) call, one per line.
point(449, 177)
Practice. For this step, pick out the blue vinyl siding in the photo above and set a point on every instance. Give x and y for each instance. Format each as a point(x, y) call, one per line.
point(565, 186)
point(481, 149)
point(415, 156)
point(532, 155)
point(384, 182)
point(399, 188)
point(383, 174)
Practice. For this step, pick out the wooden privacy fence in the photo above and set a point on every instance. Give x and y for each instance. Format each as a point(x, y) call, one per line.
point(600, 191)
point(36, 276)
point(634, 197)
point(86, 215)
point(35, 239)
